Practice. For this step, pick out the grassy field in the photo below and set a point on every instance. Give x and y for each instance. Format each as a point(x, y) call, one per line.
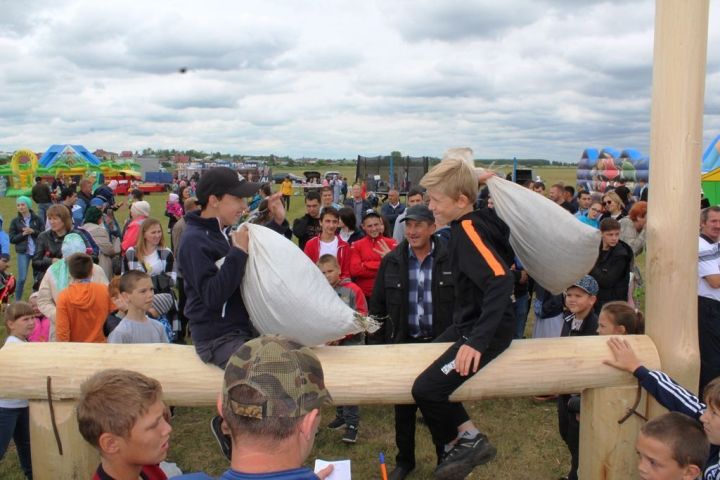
point(524, 431)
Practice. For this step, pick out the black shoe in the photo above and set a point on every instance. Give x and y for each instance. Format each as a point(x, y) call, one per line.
point(351, 434)
point(400, 472)
point(336, 424)
point(223, 440)
point(465, 455)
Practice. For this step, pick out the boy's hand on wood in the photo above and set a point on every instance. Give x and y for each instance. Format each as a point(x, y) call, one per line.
point(624, 356)
point(467, 360)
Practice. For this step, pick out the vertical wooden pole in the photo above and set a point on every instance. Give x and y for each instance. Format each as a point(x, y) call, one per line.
point(674, 202)
point(78, 461)
point(607, 448)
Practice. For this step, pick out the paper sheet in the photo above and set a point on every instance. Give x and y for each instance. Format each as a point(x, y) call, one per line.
point(341, 469)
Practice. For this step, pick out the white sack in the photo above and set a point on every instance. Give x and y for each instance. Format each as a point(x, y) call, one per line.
point(555, 248)
point(286, 294)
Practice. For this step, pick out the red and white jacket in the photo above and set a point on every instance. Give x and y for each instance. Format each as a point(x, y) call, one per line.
point(312, 250)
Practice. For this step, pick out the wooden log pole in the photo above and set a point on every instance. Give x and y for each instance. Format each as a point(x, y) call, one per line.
point(673, 213)
point(607, 448)
point(378, 374)
point(78, 459)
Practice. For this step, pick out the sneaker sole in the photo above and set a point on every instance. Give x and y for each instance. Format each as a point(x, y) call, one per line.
point(347, 440)
point(460, 470)
point(220, 442)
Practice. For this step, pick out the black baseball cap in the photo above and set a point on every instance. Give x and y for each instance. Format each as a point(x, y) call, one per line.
point(220, 181)
point(419, 213)
point(370, 213)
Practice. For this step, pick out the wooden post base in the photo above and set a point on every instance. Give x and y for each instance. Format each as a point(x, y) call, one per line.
point(607, 448)
point(79, 459)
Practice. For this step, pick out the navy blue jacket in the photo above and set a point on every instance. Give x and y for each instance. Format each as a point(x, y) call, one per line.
point(214, 303)
point(677, 399)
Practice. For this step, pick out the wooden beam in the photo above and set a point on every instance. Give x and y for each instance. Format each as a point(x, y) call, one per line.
point(674, 202)
point(381, 374)
point(78, 459)
point(607, 448)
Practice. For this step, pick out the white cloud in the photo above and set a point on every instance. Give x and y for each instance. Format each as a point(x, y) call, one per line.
point(334, 78)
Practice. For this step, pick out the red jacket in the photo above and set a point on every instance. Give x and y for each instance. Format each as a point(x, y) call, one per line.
point(312, 250)
point(365, 261)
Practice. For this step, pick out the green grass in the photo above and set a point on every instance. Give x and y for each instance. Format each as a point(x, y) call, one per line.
point(524, 431)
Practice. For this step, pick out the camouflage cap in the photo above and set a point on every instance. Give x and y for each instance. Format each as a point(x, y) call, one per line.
point(287, 376)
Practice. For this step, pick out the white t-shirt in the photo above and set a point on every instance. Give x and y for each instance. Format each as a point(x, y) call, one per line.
point(153, 264)
point(329, 248)
point(13, 403)
point(132, 331)
point(708, 264)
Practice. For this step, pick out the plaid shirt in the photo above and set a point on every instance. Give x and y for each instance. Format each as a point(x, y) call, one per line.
point(420, 294)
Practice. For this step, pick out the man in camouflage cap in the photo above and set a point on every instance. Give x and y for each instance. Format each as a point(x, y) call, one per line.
point(271, 397)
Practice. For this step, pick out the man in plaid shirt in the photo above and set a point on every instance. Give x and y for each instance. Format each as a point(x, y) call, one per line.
point(414, 291)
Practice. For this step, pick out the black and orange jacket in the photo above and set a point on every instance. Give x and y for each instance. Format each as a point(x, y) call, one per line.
point(480, 258)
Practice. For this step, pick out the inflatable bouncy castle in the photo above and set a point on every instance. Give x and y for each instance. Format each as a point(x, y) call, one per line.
point(600, 170)
point(711, 172)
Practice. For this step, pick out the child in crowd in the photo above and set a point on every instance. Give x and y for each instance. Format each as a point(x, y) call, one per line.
point(671, 462)
point(483, 327)
point(613, 266)
point(620, 318)
point(15, 414)
point(83, 306)
point(41, 332)
point(122, 414)
point(579, 301)
point(672, 446)
point(160, 309)
point(136, 289)
point(549, 318)
point(7, 280)
point(347, 416)
point(173, 210)
point(114, 318)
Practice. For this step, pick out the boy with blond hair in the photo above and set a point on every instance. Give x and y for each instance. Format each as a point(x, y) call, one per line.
point(122, 414)
point(483, 322)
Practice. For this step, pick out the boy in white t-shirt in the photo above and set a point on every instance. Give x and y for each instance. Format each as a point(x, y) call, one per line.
point(15, 414)
point(136, 327)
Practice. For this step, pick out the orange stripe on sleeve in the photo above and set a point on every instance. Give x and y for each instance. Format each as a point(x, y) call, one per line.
point(493, 262)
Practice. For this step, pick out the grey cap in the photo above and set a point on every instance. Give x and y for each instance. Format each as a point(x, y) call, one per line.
point(419, 213)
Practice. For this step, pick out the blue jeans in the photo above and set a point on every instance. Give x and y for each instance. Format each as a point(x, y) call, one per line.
point(23, 260)
point(15, 425)
point(521, 306)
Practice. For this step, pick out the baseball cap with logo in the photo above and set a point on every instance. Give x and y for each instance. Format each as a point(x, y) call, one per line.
point(589, 284)
point(287, 377)
point(220, 181)
point(418, 213)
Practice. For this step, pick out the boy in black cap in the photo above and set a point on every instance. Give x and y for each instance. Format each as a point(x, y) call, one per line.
point(212, 261)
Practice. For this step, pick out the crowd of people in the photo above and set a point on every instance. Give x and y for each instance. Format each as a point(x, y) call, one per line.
point(439, 268)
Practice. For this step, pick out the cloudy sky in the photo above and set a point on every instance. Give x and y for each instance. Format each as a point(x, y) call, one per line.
point(334, 78)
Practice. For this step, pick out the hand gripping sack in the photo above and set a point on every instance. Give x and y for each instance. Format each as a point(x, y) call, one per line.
point(555, 248)
point(286, 294)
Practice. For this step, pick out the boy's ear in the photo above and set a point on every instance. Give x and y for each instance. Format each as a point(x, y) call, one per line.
point(593, 298)
point(463, 201)
point(691, 472)
point(109, 444)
